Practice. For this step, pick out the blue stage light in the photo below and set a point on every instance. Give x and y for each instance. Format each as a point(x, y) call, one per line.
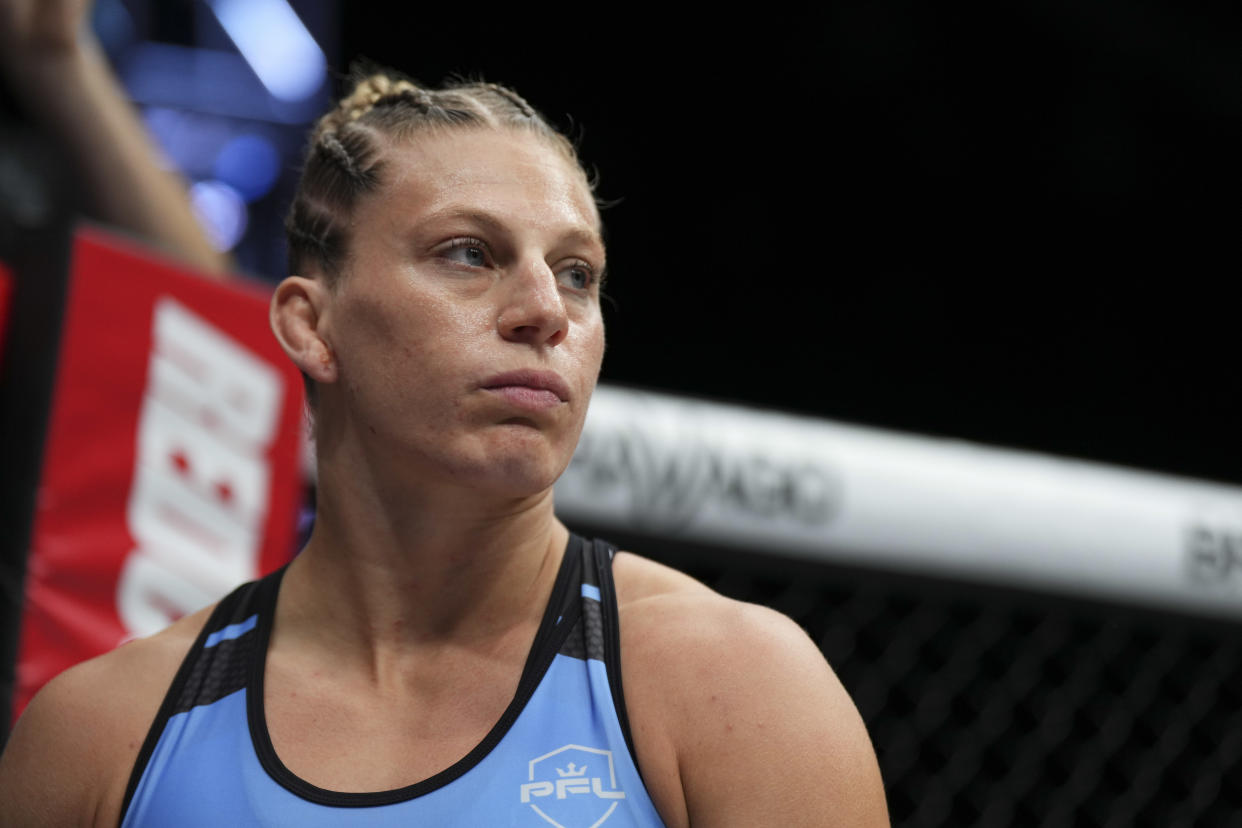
point(274, 41)
point(250, 164)
point(222, 212)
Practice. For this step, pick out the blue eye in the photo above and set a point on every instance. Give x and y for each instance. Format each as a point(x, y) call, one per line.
point(468, 252)
point(577, 276)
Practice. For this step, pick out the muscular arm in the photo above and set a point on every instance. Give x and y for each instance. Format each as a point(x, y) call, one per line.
point(56, 69)
point(69, 758)
point(48, 772)
point(777, 740)
point(739, 721)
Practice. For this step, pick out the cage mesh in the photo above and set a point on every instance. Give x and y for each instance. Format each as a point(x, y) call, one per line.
point(994, 708)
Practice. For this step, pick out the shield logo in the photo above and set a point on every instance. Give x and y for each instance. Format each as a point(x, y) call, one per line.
point(573, 787)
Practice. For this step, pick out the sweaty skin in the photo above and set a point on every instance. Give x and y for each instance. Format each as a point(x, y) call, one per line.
point(407, 618)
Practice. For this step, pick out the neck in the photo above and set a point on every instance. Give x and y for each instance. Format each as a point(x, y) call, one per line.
point(426, 567)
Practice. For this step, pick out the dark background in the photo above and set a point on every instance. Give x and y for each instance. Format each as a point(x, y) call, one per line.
point(1013, 223)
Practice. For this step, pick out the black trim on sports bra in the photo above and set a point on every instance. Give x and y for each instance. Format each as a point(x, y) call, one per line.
point(603, 554)
point(563, 604)
point(224, 614)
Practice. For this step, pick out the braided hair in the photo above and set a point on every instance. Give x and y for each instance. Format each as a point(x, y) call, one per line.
point(343, 161)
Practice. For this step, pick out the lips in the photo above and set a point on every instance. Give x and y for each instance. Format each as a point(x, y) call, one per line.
point(529, 389)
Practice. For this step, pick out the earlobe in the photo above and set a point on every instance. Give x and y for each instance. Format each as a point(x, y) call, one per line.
point(298, 319)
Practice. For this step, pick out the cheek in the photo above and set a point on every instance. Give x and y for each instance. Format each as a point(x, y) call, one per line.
point(367, 340)
point(597, 344)
point(404, 329)
point(587, 359)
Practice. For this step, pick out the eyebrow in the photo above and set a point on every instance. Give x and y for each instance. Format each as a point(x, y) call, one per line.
point(477, 217)
point(576, 235)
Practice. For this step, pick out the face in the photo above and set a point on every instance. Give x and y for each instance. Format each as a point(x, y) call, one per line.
point(466, 326)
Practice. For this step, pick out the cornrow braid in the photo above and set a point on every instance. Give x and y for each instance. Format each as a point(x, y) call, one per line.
point(512, 97)
point(337, 152)
point(417, 98)
point(367, 91)
point(344, 160)
point(314, 233)
point(441, 109)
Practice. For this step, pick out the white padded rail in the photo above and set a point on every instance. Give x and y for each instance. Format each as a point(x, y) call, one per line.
point(770, 482)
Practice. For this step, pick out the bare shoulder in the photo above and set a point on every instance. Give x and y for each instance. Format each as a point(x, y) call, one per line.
point(737, 717)
point(70, 755)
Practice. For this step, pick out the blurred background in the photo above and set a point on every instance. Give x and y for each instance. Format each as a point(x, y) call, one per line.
point(1012, 224)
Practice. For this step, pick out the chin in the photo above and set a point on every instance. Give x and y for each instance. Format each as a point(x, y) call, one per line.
point(519, 468)
point(525, 477)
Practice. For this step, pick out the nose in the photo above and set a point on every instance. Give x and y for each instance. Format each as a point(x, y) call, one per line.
point(534, 310)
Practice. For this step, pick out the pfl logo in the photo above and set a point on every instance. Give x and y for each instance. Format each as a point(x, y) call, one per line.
point(573, 787)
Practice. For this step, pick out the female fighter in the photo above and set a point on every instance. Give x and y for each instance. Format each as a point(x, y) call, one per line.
point(444, 651)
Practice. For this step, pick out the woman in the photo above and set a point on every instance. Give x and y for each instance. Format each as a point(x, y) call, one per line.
point(443, 651)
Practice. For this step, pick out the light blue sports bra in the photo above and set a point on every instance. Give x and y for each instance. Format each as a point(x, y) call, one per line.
point(560, 755)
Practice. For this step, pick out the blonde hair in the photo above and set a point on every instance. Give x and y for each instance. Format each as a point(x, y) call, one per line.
point(343, 161)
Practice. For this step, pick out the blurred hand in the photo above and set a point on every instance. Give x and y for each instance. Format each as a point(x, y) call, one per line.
point(42, 25)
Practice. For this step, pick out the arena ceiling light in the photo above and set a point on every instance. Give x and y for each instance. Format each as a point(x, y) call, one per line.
point(277, 45)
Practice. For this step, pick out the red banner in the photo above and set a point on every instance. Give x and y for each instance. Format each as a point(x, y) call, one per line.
point(171, 470)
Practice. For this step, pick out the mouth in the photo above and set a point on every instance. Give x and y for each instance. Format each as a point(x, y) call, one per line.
point(534, 390)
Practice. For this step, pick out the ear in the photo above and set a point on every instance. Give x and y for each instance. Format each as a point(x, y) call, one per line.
point(298, 318)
